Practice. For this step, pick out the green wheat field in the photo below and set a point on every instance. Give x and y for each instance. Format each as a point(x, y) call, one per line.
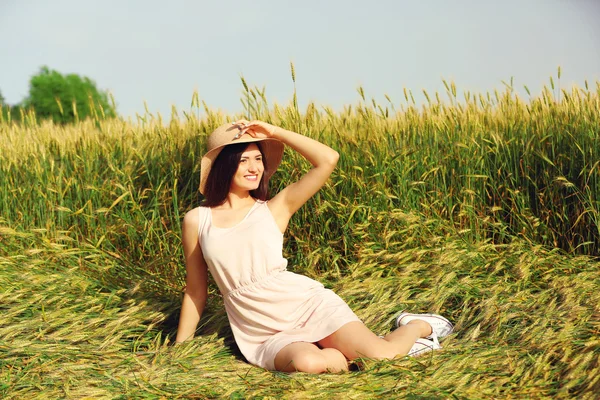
point(483, 207)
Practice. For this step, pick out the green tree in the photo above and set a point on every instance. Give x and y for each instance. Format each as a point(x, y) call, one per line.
point(63, 98)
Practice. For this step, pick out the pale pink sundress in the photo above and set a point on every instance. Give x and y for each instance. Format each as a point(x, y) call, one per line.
point(268, 307)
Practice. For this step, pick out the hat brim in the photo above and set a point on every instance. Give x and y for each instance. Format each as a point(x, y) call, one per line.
point(272, 150)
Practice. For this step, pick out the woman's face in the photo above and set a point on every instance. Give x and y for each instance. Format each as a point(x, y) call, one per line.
point(250, 169)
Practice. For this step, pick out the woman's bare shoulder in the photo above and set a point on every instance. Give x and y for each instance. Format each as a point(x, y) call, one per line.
point(192, 217)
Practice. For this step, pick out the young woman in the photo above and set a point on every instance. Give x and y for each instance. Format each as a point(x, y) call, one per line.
point(280, 320)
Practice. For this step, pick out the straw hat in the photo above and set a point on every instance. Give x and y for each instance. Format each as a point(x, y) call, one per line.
point(272, 150)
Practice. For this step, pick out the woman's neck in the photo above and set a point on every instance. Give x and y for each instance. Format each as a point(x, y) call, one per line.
point(236, 200)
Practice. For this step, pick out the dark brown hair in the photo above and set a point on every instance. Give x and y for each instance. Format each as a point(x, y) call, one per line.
point(221, 175)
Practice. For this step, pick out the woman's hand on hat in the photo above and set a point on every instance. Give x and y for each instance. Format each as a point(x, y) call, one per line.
point(256, 128)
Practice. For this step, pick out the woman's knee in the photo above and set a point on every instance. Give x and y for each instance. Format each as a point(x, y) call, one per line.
point(336, 361)
point(311, 362)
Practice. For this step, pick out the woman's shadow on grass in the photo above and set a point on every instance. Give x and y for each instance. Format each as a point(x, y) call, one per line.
point(213, 321)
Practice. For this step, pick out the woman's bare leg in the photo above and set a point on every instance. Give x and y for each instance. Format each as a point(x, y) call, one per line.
point(307, 357)
point(355, 340)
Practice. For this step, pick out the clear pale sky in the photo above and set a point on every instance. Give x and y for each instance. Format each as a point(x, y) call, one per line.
point(160, 51)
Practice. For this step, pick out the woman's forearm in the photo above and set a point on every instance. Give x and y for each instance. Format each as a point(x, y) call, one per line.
point(191, 311)
point(317, 153)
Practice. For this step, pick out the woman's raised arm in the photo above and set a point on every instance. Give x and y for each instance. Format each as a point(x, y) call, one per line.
point(194, 297)
point(322, 157)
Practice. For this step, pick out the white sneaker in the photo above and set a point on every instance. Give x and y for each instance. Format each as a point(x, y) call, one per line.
point(423, 346)
point(440, 326)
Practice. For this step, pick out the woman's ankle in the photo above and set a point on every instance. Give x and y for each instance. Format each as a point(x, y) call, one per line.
point(425, 327)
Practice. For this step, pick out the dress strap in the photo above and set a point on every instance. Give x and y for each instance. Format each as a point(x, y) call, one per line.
point(203, 213)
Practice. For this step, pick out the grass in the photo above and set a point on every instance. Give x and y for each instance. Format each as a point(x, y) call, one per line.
point(485, 210)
